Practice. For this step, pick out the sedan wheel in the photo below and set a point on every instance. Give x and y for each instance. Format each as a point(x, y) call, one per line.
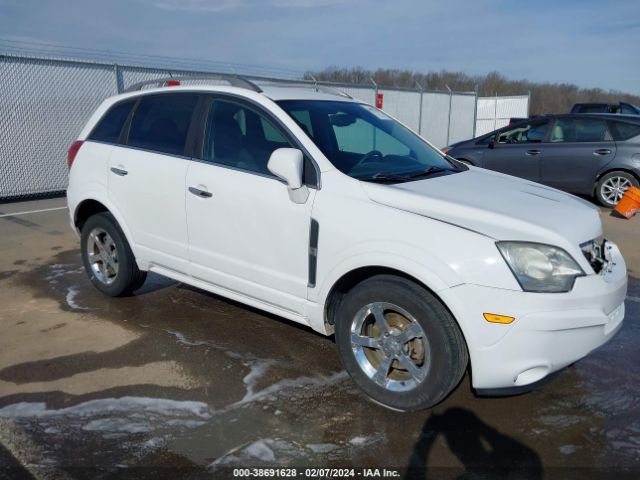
point(613, 189)
point(612, 186)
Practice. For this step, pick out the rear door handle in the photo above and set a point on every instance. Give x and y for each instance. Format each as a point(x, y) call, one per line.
point(602, 151)
point(119, 171)
point(200, 193)
point(533, 152)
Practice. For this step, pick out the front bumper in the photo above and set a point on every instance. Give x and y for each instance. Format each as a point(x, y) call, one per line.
point(550, 330)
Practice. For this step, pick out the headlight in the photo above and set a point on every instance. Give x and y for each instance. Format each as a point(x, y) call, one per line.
point(539, 267)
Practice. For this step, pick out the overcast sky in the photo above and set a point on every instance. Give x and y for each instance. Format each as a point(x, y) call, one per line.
point(587, 42)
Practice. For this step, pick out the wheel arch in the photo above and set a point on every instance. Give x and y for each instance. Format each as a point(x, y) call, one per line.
point(351, 278)
point(92, 205)
point(86, 209)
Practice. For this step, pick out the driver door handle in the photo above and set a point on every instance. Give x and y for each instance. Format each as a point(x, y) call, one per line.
point(533, 152)
point(200, 193)
point(602, 151)
point(119, 171)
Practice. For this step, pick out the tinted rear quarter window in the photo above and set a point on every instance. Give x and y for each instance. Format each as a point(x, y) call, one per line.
point(110, 125)
point(161, 122)
point(624, 131)
point(628, 110)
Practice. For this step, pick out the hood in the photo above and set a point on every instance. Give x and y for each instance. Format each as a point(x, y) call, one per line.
point(496, 205)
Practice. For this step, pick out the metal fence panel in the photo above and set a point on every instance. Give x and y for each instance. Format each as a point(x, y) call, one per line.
point(43, 106)
point(403, 105)
point(462, 117)
point(435, 117)
point(366, 95)
point(495, 112)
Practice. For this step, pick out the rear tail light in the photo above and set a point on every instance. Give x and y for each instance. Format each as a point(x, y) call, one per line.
point(72, 152)
point(172, 83)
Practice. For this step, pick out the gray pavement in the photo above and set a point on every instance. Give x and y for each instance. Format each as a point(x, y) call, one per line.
point(178, 382)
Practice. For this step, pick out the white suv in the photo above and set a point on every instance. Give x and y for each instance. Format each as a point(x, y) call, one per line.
point(328, 212)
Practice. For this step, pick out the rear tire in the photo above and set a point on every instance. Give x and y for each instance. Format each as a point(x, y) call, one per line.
point(611, 187)
point(107, 257)
point(399, 343)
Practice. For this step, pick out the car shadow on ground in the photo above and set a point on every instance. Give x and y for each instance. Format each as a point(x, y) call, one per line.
point(483, 451)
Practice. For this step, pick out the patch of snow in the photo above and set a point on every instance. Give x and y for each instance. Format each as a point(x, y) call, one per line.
point(60, 270)
point(321, 447)
point(154, 442)
point(72, 292)
point(125, 405)
point(293, 383)
point(561, 421)
point(117, 425)
point(568, 449)
point(261, 451)
point(185, 341)
point(178, 422)
point(358, 441)
point(258, 369)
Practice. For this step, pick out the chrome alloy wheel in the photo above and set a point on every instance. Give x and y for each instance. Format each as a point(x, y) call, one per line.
point(390, 346)
point(614, 188)
point(102, 254)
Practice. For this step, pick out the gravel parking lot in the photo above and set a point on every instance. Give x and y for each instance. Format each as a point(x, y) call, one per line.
point(178, 378)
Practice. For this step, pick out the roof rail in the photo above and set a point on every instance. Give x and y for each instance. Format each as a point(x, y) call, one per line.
point(233, 80)
point(308, 84)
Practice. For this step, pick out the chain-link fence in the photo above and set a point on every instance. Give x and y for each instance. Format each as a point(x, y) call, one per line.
point(45, 102)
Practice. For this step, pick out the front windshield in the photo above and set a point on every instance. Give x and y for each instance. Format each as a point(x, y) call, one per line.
point(366, 144)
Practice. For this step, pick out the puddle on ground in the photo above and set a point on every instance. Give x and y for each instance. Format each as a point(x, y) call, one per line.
point(253, 389)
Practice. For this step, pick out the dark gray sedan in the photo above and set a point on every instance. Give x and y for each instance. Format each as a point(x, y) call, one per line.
point(590, 154)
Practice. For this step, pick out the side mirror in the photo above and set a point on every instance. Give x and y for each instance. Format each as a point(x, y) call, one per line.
point(287, 164)
point(492, 145)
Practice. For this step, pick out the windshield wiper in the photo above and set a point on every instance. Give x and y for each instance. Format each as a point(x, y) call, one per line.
point(428, 172)
point(384, 177)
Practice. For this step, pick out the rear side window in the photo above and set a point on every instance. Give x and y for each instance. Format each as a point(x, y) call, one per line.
point(593, 108)
point(570, 130)
point(161, 122)
point(624, 131)
point(627, 110)
point(110, 125)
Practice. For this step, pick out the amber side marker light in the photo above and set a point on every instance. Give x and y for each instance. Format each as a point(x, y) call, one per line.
point(494, 318)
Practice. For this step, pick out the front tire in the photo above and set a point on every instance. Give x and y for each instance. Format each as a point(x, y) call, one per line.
point(611, 187)
point(399, 343)
point(107, 257)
